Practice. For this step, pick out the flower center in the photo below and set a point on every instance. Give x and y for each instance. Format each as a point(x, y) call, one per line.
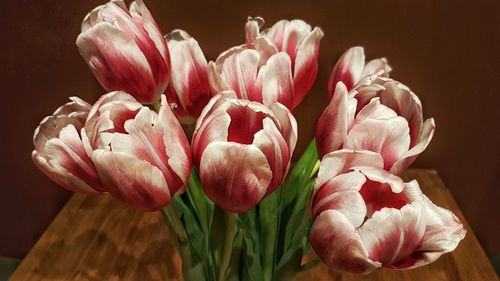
point(379, 195)
point(244, 124)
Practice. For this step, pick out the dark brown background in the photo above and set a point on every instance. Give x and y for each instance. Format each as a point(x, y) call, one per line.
point(446, 51)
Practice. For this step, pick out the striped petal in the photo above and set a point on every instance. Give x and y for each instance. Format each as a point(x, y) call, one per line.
point(425, 138)
point(335, 240)
point(277, 81)
point(342, 194)
point(347, 70)
point(235, 176)
point(135, 182)
point(390, 138)
point(189, 89)
point(333, 123)
point(341, 161)
point(402, 232)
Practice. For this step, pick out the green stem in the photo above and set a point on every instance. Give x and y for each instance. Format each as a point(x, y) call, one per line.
point(228, 244)
point(183, 241)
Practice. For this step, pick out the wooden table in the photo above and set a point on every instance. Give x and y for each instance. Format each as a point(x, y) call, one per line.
point(98, 238)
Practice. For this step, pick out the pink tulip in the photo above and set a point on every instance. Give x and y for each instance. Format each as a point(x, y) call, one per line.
point(189, 90)
point(142, 157)
point(59, 152)
point(126, 50)
point(379, 115)
point(243, 150)
point(351, 67)
point(366, 218)
point(278, 65)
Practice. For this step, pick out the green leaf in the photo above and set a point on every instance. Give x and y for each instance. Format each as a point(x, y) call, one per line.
point(251, 259)
point(201, 205)
point(192, 266)
point(299, 214)
point(217, 234)
point(269, 222)
point(294, 218)
point(192, 226)
point(300, 173)
point(291, 189)
point(203, 209)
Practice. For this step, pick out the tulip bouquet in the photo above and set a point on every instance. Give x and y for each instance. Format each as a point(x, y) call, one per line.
point(243, 211)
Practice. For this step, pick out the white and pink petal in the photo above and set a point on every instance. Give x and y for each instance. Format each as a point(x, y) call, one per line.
point(336, 241)
point(235, 176)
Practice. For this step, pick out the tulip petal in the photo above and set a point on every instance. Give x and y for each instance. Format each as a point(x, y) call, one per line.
point(388, 137)
point(289, 35)
point(136, 182)
point(306, 65)
point(77, 107)
point(341, 161)
point(364, 92)
point(406, 104)
point(139, 11)
point(239, 71)
point(252, 28)
point(342, 194)
point(139, 24)
point(117, 61)
point(215, 79)
point(336, 242)
point(145, 141)
point(277, 81)
point(401, 233)
point(189, 81)
point(62, 177)
point(213, 128)
point(442, 234)
point(270, 141)
point(265, 48)
point(287, 123)
point(378, 67)
point(332, 125)
point(348, 69)
point(176, 143)
point(381, 176)
point(107, 116)
point(425, 138)
point(374, 110)
point(234, 176)
point(67, 153)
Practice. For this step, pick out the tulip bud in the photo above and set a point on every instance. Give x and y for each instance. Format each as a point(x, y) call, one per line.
point(243, 150)
point(189, 90)
point(59, 152)
point(379, 115)
point(279, 64)
point(142, 157)
point(126, 50)
point(351, 67)
point(366, 218)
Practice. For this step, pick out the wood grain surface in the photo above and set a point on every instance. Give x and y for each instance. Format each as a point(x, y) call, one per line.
point(98, 238)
